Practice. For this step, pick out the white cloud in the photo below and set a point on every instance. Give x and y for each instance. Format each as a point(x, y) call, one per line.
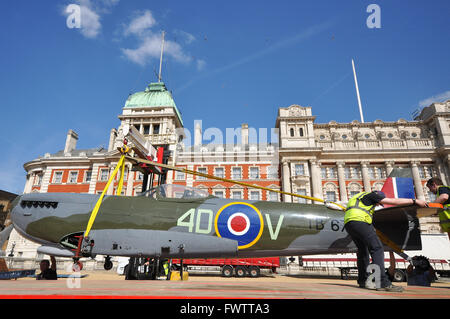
point(140, 23)
point(441, 97)
point(90, 22)
point(149, 45)
point(201, 64)
point(150, 48)
point(90, 15)
point(186, 36)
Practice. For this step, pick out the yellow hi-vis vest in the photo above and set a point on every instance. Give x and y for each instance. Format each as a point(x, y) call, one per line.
point(444, 216)
point(357, 211)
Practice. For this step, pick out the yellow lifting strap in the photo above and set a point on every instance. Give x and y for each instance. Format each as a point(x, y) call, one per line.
point(121, 166)
point(187, 171)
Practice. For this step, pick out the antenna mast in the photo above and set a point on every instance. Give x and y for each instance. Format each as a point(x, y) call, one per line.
point(160, 60)
point(357, 92)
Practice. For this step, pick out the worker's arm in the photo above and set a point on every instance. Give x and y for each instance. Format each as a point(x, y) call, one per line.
point(53, 261)
point(403, 201)
point(441, 199)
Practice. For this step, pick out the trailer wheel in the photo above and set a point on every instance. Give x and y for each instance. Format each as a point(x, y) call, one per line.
point(254, 271)
point(227, 271)
point(241, 271)
point(399, 275)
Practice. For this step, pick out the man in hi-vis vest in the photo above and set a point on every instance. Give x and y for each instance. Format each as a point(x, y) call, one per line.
point(358, 224)
point(442, 192)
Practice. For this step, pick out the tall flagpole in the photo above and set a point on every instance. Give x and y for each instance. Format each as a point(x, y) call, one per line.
point(160, 60)
point(357, 92)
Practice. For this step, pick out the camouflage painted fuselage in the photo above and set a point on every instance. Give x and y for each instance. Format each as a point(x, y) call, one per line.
point(177, 227)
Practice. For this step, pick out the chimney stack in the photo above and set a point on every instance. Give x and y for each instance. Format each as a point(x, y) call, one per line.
point(198, 133)
point(112, 139)
point(71, 141)
point(244, 134)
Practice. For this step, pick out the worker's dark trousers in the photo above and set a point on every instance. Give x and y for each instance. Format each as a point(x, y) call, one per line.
point(366, 240)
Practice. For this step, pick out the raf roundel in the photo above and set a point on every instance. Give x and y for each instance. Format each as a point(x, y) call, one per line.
point(239, 221)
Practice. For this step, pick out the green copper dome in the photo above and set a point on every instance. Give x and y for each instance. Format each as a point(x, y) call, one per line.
point(155, 95)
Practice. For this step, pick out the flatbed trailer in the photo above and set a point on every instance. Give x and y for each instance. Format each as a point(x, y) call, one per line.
point(240, 267)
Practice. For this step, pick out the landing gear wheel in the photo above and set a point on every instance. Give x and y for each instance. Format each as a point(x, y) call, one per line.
point(399, 275)
point(108, 263)
point(227, 271)
point(241, 271)
point(254, 271)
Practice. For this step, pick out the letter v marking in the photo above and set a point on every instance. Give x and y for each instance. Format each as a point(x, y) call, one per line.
point(273, 235)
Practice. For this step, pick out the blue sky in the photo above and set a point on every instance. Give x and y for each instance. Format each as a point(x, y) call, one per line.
point(226, 63)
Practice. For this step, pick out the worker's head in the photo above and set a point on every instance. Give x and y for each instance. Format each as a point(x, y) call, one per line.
point(380, 195)
point(433, 184)
point(44, 264)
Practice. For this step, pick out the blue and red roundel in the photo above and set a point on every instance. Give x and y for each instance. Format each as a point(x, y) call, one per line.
point(239, 221)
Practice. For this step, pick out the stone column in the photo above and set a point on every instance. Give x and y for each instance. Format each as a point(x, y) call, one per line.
point(316, 180)
point(110, 190)
point(94, 178)
point(389, 167)
point(365, 176)
point(441, 170)
point(286, 181)
point(341, 178)
point(417, 180)
point(129, 190)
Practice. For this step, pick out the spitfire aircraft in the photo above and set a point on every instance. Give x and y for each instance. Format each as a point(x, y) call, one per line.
point(173, 221)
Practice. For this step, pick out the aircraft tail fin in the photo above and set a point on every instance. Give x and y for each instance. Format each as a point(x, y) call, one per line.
point(399, 184)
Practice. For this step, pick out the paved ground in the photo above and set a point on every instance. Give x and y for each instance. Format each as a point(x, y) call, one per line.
point(110, 285)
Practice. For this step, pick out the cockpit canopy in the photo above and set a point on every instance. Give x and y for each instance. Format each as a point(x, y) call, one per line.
point(175, 191)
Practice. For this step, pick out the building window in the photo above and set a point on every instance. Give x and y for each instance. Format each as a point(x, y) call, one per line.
point(219, 194)
point(202, 170)
point(323, 172)
point(332, 172)
point(380, 172)
point(146, 130)
point(303, 193)
point(219, 172)
point(347, 173)
point(254, 172)
point(236, 173)
point(300, 131)
point(254, 195)
point(73, 177)
point(236, 195)
point(353, 193)
point(272, 172)
point(299, 169)
point(273, 197)
point(37, 180)
point(421, 172)
point(104, 175)
point(371, 173)
point(57, 179)
point(155, 128)
point(355, 172)
point(87, 176)
point(179, 176)
point(291, 131)
point(331, 196)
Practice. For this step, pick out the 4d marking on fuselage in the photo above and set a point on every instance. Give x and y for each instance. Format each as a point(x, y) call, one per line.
point(182, 222)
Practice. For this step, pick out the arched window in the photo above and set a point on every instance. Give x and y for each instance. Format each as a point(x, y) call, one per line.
point(292, 132)
point(301, 131)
